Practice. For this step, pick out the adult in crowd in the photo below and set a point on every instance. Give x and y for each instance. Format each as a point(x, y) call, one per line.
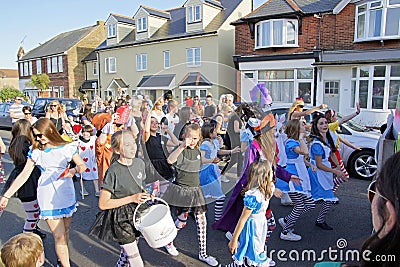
point(157, 110)
point(27, 110)
point(296, 110)
point(147, 98)
point(384, 195)
point(21, 140)
point(209, 101)
point(55, 192)
point(87, 115)
point(184, 118)
point(222, 101)
point(56, 115)
point(197, 107)
point(229, 101)
point(16, 110)
point(172, 116)
point(100, 106)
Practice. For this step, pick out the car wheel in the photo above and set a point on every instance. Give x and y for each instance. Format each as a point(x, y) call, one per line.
point(362, 165)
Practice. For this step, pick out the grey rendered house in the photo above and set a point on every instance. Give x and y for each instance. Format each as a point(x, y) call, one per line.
point(187, 49)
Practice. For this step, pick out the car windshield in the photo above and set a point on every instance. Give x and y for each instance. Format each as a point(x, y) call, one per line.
point(69, 104)
point(355, 126)
point(40, 104)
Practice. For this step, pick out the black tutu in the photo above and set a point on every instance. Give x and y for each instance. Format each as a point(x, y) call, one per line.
point(116, 225)
point(185, 198)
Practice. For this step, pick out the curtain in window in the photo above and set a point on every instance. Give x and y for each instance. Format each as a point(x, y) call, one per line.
point(281, 91)
point(266, 34)
point(278, 32)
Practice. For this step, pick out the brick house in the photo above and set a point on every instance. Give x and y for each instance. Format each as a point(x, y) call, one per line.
point(9, 78)
point(60, 58)
point(336, 52)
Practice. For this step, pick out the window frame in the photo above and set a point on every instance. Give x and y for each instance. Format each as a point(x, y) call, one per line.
point(38, 66)
point(167, 59)
point(259, 31)
point(112, 30)
point(141, 65)
point(194, 14)
point(193, 62)
point(26, 68)
point(112, 62)
point(54, 65)
point(142, 24)
point(95, 68)
point(385, 6)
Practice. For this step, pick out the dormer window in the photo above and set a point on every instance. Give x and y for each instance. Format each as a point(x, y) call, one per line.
point(112, 30)
point(276, 33)
point(142, 24)
point(194, 14)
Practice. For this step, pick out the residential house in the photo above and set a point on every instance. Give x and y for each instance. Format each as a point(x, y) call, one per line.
point(187, 50)
point(9, 78)
point(60, 58)
point(336, 52)
point(90, 85)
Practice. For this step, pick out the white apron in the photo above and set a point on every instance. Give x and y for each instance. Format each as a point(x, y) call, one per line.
point(324, 178)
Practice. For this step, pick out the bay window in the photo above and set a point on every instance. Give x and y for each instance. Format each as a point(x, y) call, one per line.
point(276, 33)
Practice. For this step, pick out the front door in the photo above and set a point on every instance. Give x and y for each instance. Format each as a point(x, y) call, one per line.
point(331, 94)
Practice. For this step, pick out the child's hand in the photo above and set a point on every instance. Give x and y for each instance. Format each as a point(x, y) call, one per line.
point(140, 198)
point(233, 245)
point(295, 179)
point(216, 160)
point(3, 203)
point(278, 193)
point(235, 150)
point(339, 174)
point(313, 168)
point(186, 142)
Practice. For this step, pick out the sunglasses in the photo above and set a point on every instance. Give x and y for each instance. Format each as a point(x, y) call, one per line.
point(301, 106)
point(27, 113)
point(53, 105)
point(18, 99)
point(372, 192)
point(37, 135)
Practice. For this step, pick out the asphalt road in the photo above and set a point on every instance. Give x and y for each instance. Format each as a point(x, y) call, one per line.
point(351, 220)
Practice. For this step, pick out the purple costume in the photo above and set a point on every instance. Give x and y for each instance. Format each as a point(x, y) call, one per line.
point(234, 208)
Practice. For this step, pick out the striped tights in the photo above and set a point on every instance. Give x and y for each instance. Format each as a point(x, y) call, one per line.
point(302, 204)
point(326, 206)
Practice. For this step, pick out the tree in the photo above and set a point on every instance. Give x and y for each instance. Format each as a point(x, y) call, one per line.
point(40, 81)
point(9, 93)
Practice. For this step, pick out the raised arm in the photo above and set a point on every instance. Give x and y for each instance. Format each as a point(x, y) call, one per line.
point(298, 115)
point(350, 116)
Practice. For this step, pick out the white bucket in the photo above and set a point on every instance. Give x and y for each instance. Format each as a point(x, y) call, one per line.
point(156, 224)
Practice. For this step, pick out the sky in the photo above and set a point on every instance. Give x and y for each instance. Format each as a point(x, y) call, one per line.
point(36, 21)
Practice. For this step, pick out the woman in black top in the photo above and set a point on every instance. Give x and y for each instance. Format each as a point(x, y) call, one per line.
point(56, 115)
point(19, 147)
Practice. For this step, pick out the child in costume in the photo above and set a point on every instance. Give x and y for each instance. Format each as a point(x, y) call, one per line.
point(295, 149)
point(247, 243)
point(185, 193)
point(121, 191)
point(322, 179)
point(210, 181)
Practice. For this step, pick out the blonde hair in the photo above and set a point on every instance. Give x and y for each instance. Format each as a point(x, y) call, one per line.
point(296, 103)
point(194, 128)
point(260, 177)
point(268, 146)
point(22, 250)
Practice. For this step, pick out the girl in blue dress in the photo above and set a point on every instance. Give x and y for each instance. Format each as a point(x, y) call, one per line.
point(210, 176)
point(295, 149)
point(322, 179)
point(247, 243)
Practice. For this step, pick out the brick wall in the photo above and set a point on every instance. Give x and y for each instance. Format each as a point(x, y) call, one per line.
point(336, 33)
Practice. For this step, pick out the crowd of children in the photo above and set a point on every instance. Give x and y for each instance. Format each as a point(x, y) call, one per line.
point(182, 152)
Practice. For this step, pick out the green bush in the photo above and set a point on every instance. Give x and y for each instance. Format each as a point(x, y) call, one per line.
point(9, 93)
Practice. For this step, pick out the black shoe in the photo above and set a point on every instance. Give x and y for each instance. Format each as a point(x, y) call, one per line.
point(39, 233)
point(324, 226)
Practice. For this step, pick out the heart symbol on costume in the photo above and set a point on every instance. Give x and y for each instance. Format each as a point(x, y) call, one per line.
point(83, 148)
point(85, 159)
point(36, 205)
point(94, 169)
point(33, 225)
point(87, 170)
point(36, 215)
point(91, 147)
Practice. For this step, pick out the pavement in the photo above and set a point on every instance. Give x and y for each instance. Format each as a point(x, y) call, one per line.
point(351, 220)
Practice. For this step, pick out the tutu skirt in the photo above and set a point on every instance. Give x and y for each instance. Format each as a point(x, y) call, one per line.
point(115, 225)
point(210, 182)
point(185, 197)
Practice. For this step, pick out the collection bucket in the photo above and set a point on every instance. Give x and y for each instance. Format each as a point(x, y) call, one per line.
point(156, 224)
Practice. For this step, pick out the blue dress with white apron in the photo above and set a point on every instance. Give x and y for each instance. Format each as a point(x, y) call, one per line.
point(295, 165)
point(321, 181)
point(210, 181)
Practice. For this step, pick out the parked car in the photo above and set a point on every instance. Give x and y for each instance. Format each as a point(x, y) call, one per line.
point(360, 164)
point(42, 105)
point(5, 119)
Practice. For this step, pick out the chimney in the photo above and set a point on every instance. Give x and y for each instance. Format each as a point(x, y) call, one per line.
point(100, 23)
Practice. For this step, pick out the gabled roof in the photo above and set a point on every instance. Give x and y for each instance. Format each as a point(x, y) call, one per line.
point(284, 7)
point(175, 27)
point(8, 73)
point(92, 56)
point(216, 3)
point(193, 79)
point(124, 19)
point(156, 12)
point(58, 44)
